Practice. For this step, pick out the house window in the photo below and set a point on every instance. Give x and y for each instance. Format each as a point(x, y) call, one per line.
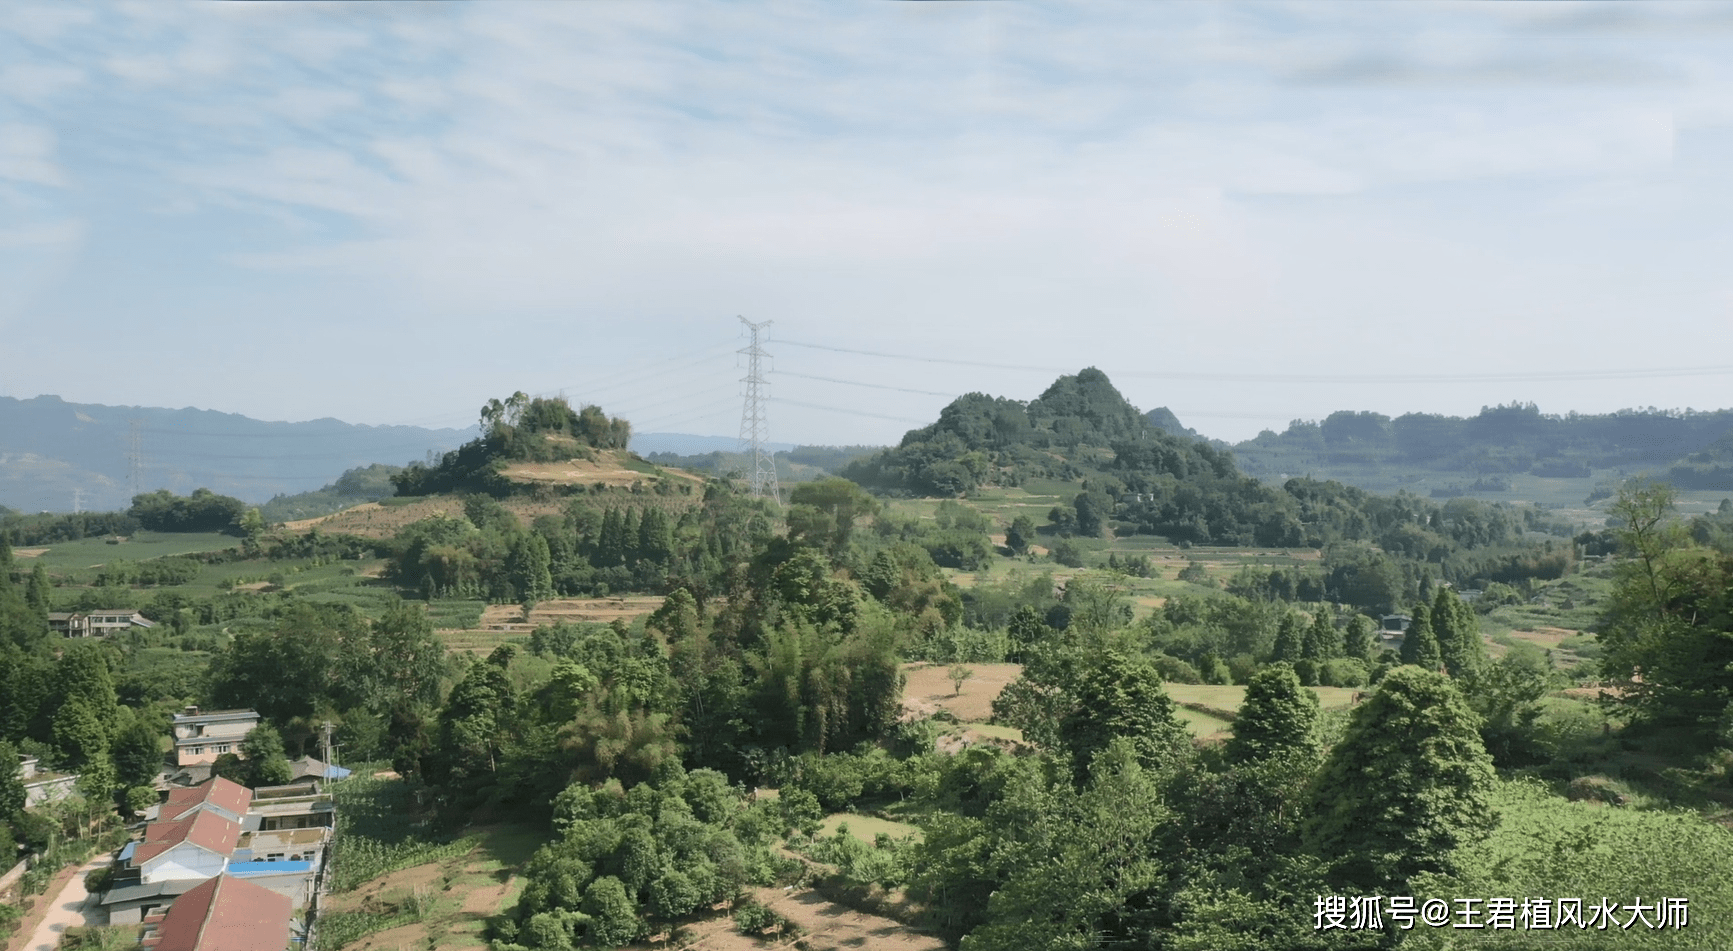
point(197, 751)
point(223, 748)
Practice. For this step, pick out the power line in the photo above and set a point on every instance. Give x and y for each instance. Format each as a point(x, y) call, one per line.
point(1383, 379)
point(851, 412)
point(876, 386)
point(905, 356)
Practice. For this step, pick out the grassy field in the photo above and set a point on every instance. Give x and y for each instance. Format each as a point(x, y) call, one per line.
point(95, 552)
point(1203, 725)
point(865, 828)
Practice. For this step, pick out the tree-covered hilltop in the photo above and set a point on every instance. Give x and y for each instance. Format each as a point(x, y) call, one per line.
point(1136, 478)
point(519, 428)
point(1074, 428)
point(1505, 440)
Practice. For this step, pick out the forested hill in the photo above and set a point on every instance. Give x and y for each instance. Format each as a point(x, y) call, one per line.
point(53, 453)
point(1078, 426)
point(1693, 450)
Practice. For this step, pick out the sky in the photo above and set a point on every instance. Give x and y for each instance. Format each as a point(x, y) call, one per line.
point(1248, 213)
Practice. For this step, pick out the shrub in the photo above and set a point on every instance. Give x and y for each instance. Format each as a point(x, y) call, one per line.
point(756, 919)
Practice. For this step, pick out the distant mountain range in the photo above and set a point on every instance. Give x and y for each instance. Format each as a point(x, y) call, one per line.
point(55, 455)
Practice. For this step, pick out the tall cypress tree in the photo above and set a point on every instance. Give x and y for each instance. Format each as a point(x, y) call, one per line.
point(1290, 638)
point(630, 528)
point(1420, 645)
point(611, 540)
point(1458, 633)
point(1360, 641)
point(1408, 784)
point(36, 590)
point(1321, 640)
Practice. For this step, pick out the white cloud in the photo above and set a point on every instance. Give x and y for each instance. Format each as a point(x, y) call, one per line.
point(41, 235)
point(27, 154)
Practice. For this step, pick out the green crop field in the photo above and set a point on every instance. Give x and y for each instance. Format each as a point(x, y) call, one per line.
point(86, 553)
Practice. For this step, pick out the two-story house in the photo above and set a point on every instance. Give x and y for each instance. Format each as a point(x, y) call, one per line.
point(200, 737)
point(95, 623)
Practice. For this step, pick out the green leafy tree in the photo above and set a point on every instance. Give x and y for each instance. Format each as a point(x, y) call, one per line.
point(1360, 638)
point(404, 662)
point(1458, 633)
point(137, 752)
point(1290, 638)
point(1321, 641)
point(527, 564)
point(1408, 784)
point(1081, 866)
point(1419, 645)
point(36, 590)
point(613, 914)
point(823, 513)
point(12, 795)
point(1278, 717)
point(1119, 696)
point(1020, 535)
point(1507, 694)
point(1665, 630)
point(266, 763)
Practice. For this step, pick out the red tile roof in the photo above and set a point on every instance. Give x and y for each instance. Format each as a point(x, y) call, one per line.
point(216, 791)
point(204, 829)
point(226, 914)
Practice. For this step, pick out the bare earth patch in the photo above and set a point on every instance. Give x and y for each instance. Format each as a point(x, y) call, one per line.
point(510, 617)
point(929, 690)
point(29, 552)
point(1593, 693)
point(1547, 637)
point(486, 901)
point(372, 520)
point(828, 925)
point(608, 468)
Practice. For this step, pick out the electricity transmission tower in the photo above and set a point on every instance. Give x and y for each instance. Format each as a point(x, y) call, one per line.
point(754, 426)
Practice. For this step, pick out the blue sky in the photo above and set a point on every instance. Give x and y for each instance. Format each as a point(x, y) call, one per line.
point(1249, 213)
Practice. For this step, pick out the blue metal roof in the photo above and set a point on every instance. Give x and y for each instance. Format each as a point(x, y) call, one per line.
point(267, 868)
point(126, 853)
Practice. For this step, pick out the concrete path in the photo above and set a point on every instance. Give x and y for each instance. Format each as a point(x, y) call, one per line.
point(67, 909)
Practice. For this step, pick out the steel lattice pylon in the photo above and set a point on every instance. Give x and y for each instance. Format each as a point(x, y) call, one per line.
point(754, 426)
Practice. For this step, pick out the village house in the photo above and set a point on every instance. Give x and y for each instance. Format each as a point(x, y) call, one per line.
point(95, 623)
point(41, 788)
point(224, 913)
point(201, 737)
point(273, 837)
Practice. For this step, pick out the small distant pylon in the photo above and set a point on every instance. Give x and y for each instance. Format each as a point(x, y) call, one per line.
point(754, 425)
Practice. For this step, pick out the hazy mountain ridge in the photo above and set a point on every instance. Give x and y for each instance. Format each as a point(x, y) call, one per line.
point(54, 453)
point(1688, 447)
